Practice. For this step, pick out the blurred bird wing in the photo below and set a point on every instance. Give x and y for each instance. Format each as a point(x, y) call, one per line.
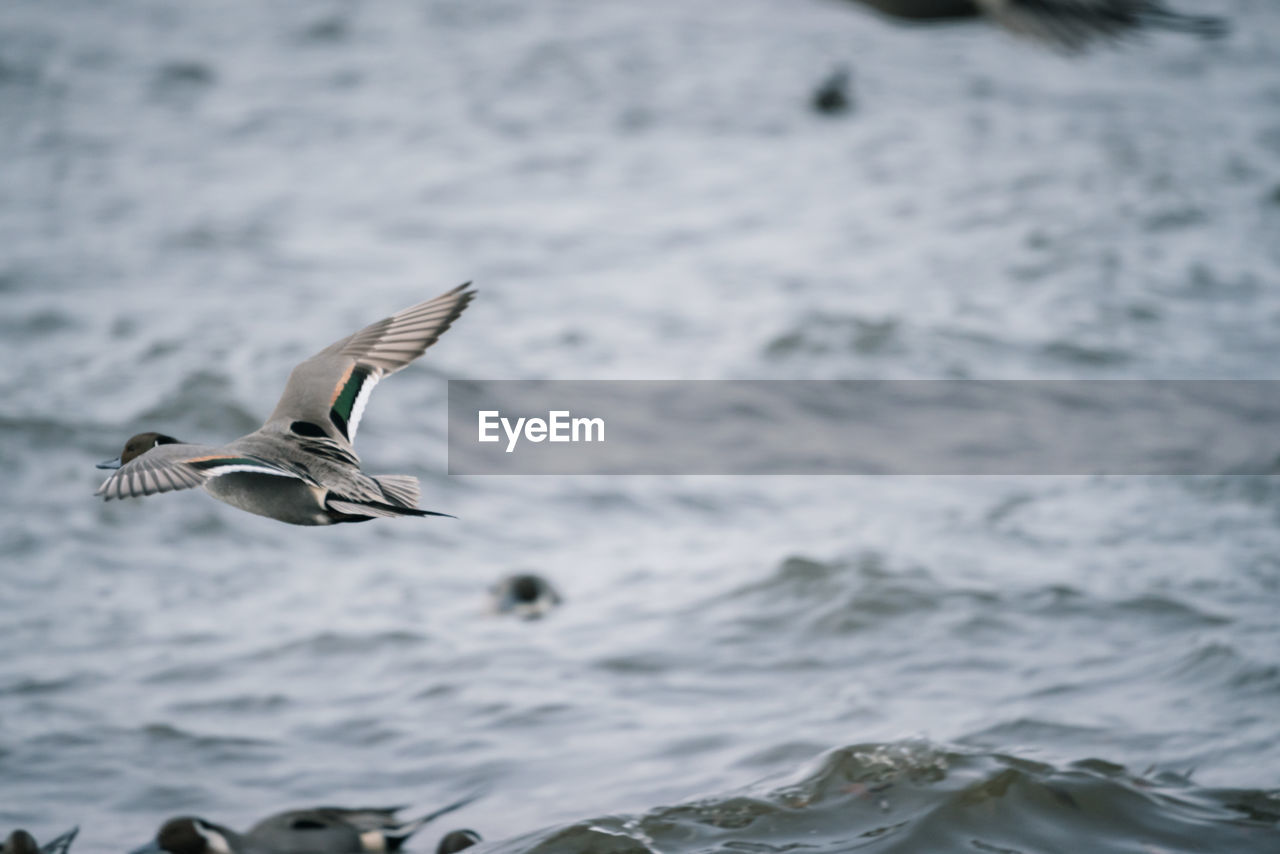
point(60, 844)
point(1074, 25)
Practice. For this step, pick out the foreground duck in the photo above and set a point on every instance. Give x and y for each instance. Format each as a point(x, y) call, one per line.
point(321, 830)
point(300, 466)
point(1069, 25)
point(21, 842)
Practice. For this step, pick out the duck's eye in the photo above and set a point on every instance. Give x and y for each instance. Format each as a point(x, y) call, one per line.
point(307, 428)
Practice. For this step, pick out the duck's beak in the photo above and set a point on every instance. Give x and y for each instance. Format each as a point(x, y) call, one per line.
point(152, 847)
point(111, 464)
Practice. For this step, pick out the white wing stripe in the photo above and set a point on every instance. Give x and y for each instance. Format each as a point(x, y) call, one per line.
point(357, 407)
point(216, 471)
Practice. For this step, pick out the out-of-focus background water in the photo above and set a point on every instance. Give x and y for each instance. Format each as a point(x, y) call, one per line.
point(196, 196)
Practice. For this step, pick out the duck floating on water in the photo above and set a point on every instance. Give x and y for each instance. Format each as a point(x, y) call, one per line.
point(320, 830)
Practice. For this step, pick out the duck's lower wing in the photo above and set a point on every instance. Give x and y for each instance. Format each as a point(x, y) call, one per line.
point(168, 468)
point(1074, 25)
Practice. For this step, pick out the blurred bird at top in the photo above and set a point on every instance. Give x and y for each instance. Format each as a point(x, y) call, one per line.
point(1070, 26)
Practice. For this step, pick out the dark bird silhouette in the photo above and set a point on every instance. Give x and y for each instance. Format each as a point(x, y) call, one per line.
point(832, 97)
point(524, 594)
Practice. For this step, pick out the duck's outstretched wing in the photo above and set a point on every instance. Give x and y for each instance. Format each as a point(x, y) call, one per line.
point(170, 467)
point(1074, 25)
point(326, 394)
point(60, 844)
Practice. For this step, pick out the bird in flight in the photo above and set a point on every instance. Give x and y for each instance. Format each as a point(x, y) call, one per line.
point(300, 466)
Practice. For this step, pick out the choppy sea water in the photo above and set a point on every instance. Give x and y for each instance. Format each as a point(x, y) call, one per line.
point(194, 197)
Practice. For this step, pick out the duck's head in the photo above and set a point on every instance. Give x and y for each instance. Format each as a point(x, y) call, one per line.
point(188, 835)
point(20, 842)
point(457, 840)
point(136, 447)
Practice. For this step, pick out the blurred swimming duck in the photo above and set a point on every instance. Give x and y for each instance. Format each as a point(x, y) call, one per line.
point(525, 595)
point(321, 830)
point(1067, 25)
point(300, 466)
point(21, 842)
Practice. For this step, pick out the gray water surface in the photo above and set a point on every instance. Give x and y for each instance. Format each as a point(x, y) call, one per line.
point(194, 197)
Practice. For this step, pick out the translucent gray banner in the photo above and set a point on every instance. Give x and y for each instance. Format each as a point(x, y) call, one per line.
point(940, 427)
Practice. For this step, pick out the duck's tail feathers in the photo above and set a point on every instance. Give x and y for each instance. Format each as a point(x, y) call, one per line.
point(396, 836)
point(360, 510)
point(399, 488)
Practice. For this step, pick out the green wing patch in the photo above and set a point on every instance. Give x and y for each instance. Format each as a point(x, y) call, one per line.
point(345, 402)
